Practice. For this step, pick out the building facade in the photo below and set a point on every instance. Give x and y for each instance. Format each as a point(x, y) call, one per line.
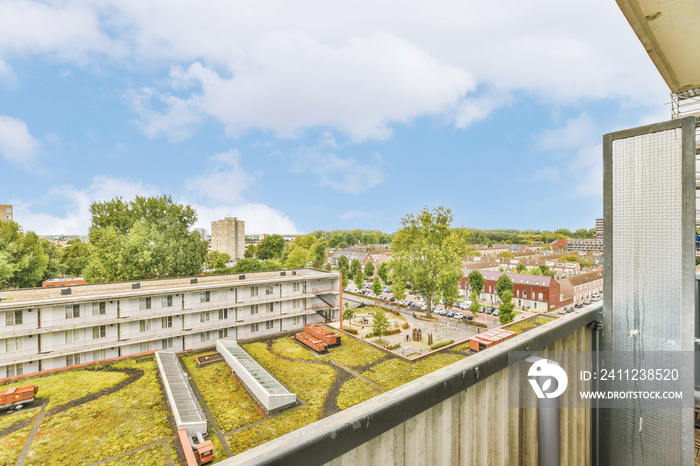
point(584, 286)
point(48, 328)
point(228, 235)
point(529, 291)
point(599, 229)
point(6, 213)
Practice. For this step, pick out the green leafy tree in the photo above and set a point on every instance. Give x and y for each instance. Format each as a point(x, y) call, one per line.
point(504, 284)
point(427, 253)
point(544, 269)
point(521, 268)
point(380, 324)
point(249, 252)
point(506, 308)
point(318, 252)
point(334, 241)
point(369, 269)
point(476, 283)
point(76, 257)
point(271, 247)
point(297, 258)
point(355, 266)
point(506, 255)
point(346, 279)
point(535, 271)
point(145, 238)
point(474, 307)
point(376, 286)
point(255, 265)
point(359, 279)
point(23, 260)
point(55, 266)
point(383, 271)
point(217, 260)
point(348, 313)
point(327, 267)
point(398, 289)
point(343, 262)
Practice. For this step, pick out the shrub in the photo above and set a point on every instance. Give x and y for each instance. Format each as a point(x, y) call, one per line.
point(406, 326)
point(350, 330)
point(392, 331)
point(440, 344)
point(393, 347)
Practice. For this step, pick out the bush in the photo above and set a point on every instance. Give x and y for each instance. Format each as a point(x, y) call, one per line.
point(393, 347)
point(392, 331)
point(350, 330)
point(440, 344)
point(405, 326)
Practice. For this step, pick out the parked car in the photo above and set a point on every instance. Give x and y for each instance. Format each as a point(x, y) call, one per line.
point(458, 315)
point(578, 305)
point(495, 313)
point(391, 298)
point(470, 317)
point(450, 314)
point(482, 309)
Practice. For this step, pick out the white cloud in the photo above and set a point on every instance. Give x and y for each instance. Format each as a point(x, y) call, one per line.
point(354, 66)
point(573, 134)
point(223, 180)
point(76, 205)
point(259, 218)
point(17, 145)
point(349, 175)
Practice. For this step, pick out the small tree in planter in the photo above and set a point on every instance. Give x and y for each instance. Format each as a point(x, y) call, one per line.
point(381, 323)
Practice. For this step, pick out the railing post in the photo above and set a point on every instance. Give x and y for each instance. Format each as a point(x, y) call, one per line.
point(548, 426)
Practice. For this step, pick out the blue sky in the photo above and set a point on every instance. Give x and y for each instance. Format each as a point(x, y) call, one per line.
point(318, 115)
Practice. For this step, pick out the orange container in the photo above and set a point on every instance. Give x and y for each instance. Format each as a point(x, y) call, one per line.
point(320, 333)
point(18, 395)
point(308, 340)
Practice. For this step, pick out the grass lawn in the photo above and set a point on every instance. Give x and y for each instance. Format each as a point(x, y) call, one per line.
point(396, 372)
point(228, 401)
point(521, 326)
point(355, 391)
point(154, 456)
point(544, 320)
point(12, 417)
point(11, 445)
point(354, 353)
point(132, 417)
point(67, 386)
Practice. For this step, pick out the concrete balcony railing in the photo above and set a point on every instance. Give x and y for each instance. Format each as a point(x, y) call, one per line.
point(456, 415)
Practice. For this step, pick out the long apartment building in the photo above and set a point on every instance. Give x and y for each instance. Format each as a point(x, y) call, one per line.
point(48, 328)
point(228, 235)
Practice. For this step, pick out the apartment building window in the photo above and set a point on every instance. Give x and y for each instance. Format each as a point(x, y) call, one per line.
point(253, 291)
point(166, 301)
point(269, 307)
point(72, 335)
point(13, 344)
point(223, 314)
point(167, 322)
point(72, 311)
point(15, 369)
point(269, 290)
point(72, 359)
point(540, 296)
point(269, 324)
point(295, 286)
point(223, 332)
point(166, 343)
point(145, 325)
point(144, 303)
point(254, 309)
point(204, 296)
point(99, 355)
point(13, 317)
point(204, 316)
point(144, 347)
point(99, 309)
point(204, 336)
point(296, 320)
point(99, 332)
point(296, 303)
point(254, 327)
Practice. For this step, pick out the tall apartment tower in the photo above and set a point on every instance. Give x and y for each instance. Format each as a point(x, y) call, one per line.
point(228, 235)
point(6, 213)
point(599, 229)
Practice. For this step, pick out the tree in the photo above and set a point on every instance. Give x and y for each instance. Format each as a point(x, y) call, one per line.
point(355, 266)
point(398, 289)
point(376, 286)
point(76, 257)
point(346, 279)
point(535, 271)
point(255, 265)
point(297, 258)
point(428, 254)
point(369, 269)
point(271, 247)
point(506, 308)
point(145, 238)
point(476, 283)
point(343, 263)
point(504, 284)
point(381, 323)
point(506, 255)
point(359, 279)
point(318, 252)
point(217, 260)
point(23, 261)
point(544, 269)
point(249, 252)
point(383, 271)
point(348, 313)
point(521, 268)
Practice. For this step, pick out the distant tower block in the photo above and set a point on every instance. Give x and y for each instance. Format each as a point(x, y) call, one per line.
point(228, 235)
point(599, 229)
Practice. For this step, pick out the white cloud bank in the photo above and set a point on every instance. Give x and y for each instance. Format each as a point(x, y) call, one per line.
point(17, 145)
